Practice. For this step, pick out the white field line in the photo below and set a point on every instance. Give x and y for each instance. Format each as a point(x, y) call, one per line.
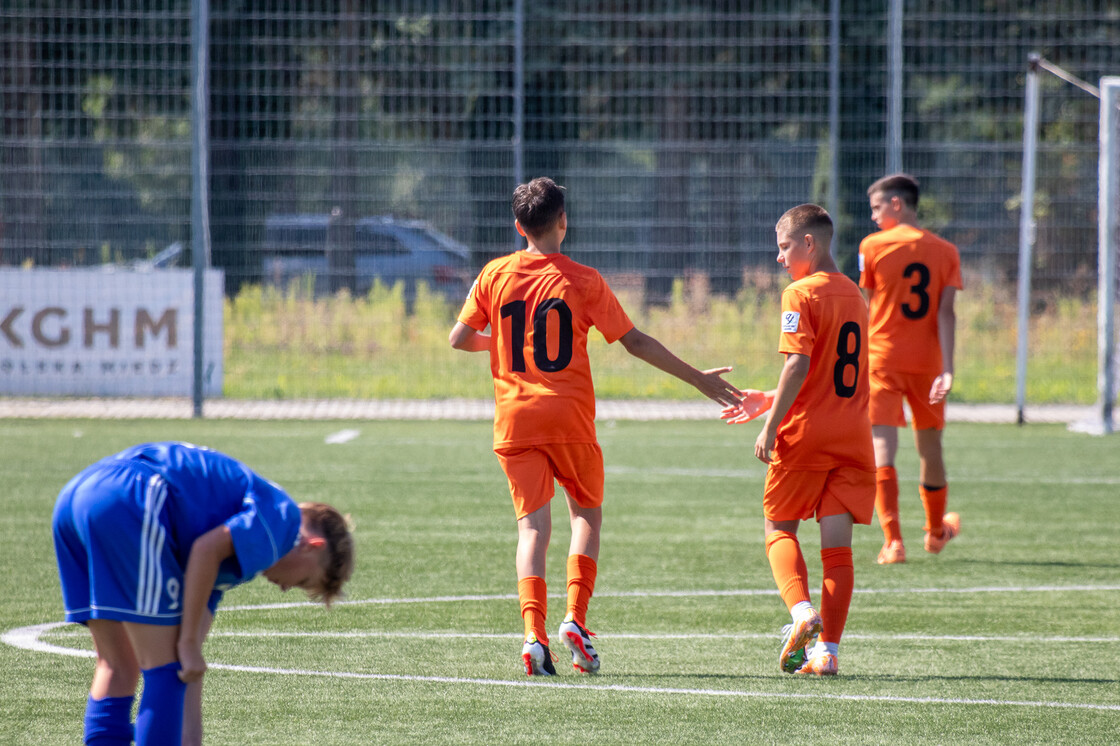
point(342, 436)
point(672, 471)
point(80, 632)
point(674, 690)
point(677, 594)
point(28, 639)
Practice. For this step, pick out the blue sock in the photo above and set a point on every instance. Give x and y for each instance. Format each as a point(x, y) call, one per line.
point(160, 720)
point(108, 721)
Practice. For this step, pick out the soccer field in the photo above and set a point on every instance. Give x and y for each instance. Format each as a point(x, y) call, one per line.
point(1011, 635)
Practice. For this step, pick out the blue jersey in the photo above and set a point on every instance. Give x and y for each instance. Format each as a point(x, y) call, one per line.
point(124, 528)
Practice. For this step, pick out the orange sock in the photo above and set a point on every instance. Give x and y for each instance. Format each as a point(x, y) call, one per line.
point(788, 566)
point(886, 502)
point(836, 594)
point(935, 500)
point(533, 594)
point(581, 584)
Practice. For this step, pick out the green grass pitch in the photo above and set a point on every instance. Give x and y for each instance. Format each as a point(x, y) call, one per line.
point(1011, 635)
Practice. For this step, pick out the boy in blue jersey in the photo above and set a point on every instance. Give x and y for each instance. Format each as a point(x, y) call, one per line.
point(147, 541)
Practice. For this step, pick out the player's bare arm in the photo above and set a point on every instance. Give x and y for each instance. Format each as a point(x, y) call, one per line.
point(710, 383)
point(794, 372)
point(206, 556)
point(947, 335)
point(464, 338)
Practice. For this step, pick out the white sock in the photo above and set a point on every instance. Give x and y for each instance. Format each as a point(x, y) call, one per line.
point(801, 610)
point(822, 647)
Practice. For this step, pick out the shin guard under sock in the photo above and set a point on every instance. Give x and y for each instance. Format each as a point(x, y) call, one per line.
point(533, 596)
point(836, 593)
point(934, 499)
point(581, 584)
point(788, 566)
point(886, 503)
point(108, 721)
point(160, 719)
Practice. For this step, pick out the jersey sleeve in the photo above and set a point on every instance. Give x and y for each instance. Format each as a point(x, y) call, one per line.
point(607, 314)
point(953, 275)
point(264, 531)
point(798, 334)
point(866, 265)
point(474, 313)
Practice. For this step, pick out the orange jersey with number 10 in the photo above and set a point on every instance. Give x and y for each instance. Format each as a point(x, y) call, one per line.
point(824, 316)
point(907, 268)
point(540, 308)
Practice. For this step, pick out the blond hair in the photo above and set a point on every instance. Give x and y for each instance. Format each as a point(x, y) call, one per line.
point(338, 565)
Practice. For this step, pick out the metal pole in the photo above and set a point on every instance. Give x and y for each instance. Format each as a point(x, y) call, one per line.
point(1107, 238)
point(1026, 230)
point(518, 101)
point(834, 110)
point(200, 158)
point(894, 80)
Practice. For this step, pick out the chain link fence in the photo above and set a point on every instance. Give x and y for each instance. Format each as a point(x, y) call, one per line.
point(350, 141)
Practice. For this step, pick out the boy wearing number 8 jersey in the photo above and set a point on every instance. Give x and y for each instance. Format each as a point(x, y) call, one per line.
point(910, 277)
point(539, 306)
point(816, 440)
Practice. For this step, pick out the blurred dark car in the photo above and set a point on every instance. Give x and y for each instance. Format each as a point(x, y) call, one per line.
point(296, 248)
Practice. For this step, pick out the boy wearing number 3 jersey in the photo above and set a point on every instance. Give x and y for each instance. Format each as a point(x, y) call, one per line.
point(911, 277)
point(816, 440)
point(539, 306)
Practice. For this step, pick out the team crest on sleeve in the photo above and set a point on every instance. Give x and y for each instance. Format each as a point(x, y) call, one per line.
point(861, 261)
point(790, 319)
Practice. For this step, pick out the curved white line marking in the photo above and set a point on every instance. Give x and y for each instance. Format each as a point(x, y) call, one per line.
point(28, 639)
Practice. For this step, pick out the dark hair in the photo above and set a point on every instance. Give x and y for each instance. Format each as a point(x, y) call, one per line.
point(538, 205)
point(338, 564)
point(807, 218)
point(903, 186)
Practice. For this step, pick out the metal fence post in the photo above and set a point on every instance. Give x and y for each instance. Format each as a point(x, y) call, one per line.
point(1026, 230)
point(200, 209)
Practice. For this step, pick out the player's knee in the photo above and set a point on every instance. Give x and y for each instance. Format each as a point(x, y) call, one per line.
point(118, 673)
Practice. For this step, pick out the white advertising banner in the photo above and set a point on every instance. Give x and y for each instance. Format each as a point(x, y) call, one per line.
point(106, 333)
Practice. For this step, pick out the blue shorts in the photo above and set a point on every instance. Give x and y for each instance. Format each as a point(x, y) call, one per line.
point(117, 557)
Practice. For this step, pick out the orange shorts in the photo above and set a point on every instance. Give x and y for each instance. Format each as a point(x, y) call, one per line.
point(889, 388)
point(791, 495)
point(531, 471)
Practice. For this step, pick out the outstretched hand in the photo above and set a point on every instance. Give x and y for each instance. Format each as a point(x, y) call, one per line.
point(751, 405)
point(712, 385)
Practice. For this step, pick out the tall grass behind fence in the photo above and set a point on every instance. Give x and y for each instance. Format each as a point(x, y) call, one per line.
point(292, 346)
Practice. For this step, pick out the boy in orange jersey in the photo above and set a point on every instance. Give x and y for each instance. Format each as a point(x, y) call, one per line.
point(816, 440)
point(540, 305)
point(911, 277)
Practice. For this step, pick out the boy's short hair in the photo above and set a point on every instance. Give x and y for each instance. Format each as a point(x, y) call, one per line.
point(338, 565)
point(538, 205)
point(903, 186)
point(807, 218)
